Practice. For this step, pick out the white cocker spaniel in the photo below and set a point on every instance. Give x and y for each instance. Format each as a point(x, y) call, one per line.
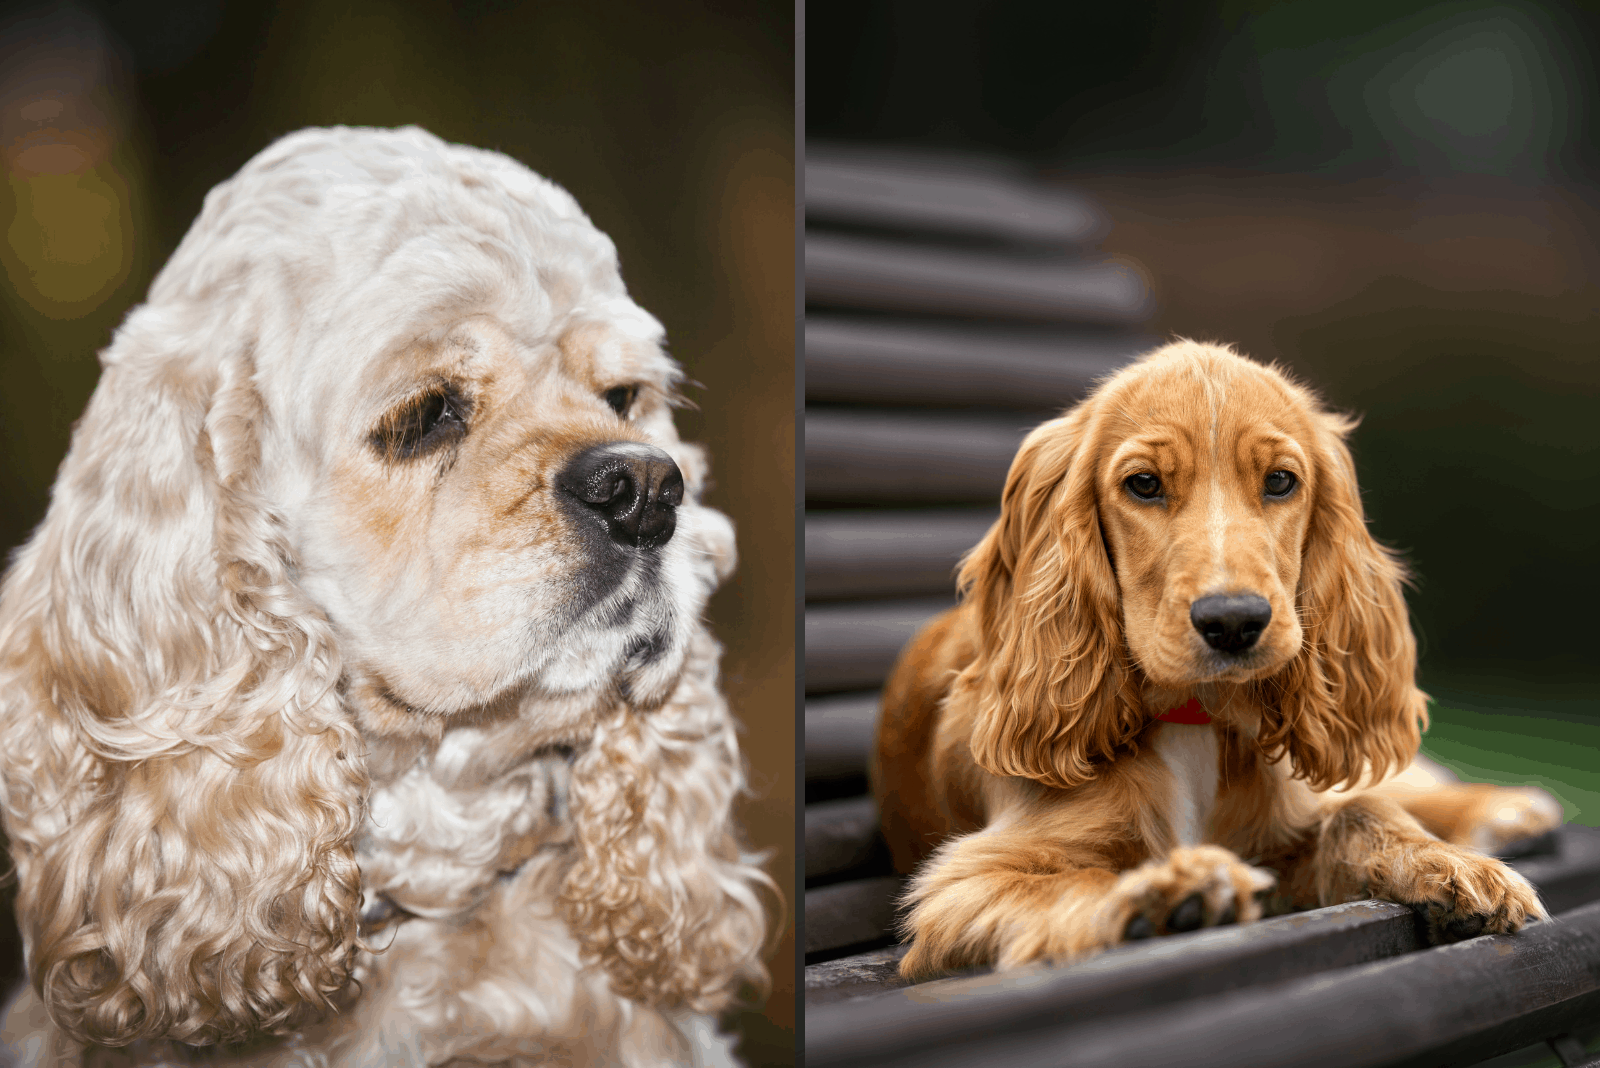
point(355, 702)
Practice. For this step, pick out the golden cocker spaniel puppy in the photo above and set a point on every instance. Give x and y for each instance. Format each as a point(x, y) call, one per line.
point(355, 703)
point(1179, 667)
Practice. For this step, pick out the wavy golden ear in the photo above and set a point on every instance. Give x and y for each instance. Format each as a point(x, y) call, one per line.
point(180, 786)
point(661, 896)
point(1348, 704)
point(1052, 684)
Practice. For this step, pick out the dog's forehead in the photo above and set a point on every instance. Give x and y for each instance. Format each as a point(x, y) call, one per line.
point(341, 214)
point(1186, 382)
point(586, 353)
point(1195, 395)
point(622, 347)
point(386, 241)
point(597, 345)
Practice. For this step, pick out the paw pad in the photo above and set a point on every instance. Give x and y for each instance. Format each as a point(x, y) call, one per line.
point(1439, 924)
point(1188, 915)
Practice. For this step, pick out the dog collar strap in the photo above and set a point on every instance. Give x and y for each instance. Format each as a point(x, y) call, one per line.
point(1189, 713)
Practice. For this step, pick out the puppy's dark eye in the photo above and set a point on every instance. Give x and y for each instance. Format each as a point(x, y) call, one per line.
point(621, 398)
point(1145, 486)
point(1280, 484)
point(422, 425)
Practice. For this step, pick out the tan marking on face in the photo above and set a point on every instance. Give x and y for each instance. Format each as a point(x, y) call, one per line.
point(579, 346)
point(494, 492)
point(469, 557)
point(600, 356)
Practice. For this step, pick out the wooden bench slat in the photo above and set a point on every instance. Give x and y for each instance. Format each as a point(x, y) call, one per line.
point(876, 971)
point(1165, 970)
point(1471, 1000)
point(848, 914)
point(877, 456)
point(839, 733)
point(841, 836)
point(899, 362)
point(885, 554)
point(1567, 878)
point(852, 645)
point(881, 274)
point(962, 195)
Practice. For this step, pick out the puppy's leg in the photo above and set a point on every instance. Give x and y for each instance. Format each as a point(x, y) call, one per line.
point(1005, 896)
point(1493, 819)
point(1368, 846)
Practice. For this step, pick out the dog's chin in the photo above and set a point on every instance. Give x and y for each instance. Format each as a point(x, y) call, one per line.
point(640, 668)
point(649, 685)
point(564, 710)
point(1198, 667)
point(643, 672)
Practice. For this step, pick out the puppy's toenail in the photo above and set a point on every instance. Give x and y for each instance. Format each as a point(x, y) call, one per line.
point(1229, 915)
point(1139, 928)
point(1188, 915)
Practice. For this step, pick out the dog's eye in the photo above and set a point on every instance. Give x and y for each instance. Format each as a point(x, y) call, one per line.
point(1280, 484)
point(621, 398)
point(422, 425)
point(1145, 486)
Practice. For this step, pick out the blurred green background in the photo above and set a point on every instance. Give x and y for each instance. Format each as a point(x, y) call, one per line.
point(672, 123)
point(1400, 202)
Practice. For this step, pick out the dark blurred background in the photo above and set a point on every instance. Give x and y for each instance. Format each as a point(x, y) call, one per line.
point(1396, 200)
point(672, 123)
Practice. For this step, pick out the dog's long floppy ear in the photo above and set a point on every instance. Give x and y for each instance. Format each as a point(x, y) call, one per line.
point(1348, 705)
point(661, 896)
point(1052, 684)
point(180, 786)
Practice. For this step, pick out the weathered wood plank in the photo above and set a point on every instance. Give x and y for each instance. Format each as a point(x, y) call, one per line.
point(888, 554)
point(877, 456)
point(848, 914)
point(853, 271)
point(1441, 1006)
point(842, 836)
point(852, 645)
point(959, 195)
point(839, 733)
point(901, 362)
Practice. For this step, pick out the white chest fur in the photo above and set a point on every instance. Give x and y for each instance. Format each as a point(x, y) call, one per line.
point(439, 835)
point(1190, 754)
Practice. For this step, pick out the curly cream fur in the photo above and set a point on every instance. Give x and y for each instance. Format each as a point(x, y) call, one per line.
point(659, 891)
point(254, 672)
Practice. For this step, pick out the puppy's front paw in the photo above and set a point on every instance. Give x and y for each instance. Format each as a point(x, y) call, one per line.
point(1192, 887)
point(1189, 888)
point(1457, 893)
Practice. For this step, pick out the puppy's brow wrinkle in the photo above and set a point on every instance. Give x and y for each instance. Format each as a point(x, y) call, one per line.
point(515, 507)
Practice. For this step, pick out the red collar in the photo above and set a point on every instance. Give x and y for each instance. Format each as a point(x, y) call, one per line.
point(1189, 713)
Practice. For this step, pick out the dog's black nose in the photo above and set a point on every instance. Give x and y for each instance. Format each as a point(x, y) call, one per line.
point(635, 488)
point(1231, 623)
